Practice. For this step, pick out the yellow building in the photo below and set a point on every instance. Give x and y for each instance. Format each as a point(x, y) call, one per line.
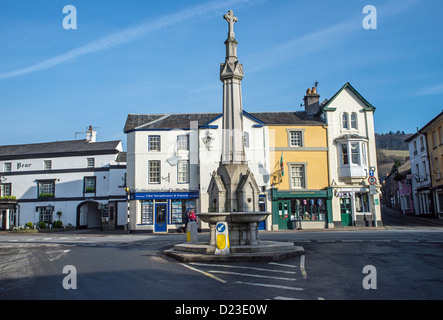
point(298, 158)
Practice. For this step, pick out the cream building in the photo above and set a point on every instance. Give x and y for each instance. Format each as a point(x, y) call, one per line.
point(352, 159)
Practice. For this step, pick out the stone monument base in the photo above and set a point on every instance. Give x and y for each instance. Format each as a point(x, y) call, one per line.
point(263, 251)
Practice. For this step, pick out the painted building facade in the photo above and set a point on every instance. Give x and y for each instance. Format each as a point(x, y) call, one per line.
point(433, 131)
point(421, 179)
point(170, 161)
point(80, 182)
point(352, 159)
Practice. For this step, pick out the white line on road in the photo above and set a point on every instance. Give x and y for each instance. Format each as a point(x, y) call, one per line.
point(204, 272)
point(282, 265)
point(251, 275)
point(302, 266)
point(239, 267)
point(270, 286)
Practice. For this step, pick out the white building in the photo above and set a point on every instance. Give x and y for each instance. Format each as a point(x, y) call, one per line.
point(352, 158)
point(170, 160)
point(420, 171)
point(78, 182)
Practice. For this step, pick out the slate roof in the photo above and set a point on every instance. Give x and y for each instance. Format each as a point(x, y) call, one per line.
point(57, 149)
point(182, 120)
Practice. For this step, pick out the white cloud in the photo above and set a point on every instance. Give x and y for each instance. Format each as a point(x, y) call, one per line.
point(125, 36)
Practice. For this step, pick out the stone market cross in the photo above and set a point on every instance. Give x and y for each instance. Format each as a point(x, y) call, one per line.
point(231, 19)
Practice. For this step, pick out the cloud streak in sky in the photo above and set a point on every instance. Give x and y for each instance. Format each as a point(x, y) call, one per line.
point(125, 36)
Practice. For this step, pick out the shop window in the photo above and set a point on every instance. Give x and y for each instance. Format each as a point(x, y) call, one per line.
point(310, 209)
point(362, 202)
point(147, 212)
point(440, 202)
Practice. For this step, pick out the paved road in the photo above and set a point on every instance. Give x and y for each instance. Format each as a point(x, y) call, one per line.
point(408, 261)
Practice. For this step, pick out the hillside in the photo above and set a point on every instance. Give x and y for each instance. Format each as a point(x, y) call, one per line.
point(391, 147)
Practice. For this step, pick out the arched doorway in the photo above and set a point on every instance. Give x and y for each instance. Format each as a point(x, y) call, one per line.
point(88, 215)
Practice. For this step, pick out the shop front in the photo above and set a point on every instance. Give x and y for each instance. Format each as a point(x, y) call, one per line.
point(292, 209)
point(160, 211)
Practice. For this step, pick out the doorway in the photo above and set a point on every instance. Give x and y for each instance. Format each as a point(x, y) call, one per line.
point(346, 212)
point(284, 211)
point(160, 217)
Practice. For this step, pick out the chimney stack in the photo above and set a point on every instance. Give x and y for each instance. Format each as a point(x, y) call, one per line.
point(311, 99)
point(91, 135)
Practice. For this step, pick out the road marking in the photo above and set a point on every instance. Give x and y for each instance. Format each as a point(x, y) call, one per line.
point(251, 275)
point(270, 286)
point(282, 265)
point(204, 272)
point(239, 267)
point(285, 298)
point(54, 255)
point(302, 266)
point(352, 240)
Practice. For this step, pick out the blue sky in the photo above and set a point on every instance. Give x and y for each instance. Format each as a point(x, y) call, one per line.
point(163, 56)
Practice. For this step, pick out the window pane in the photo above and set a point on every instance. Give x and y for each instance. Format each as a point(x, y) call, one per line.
point(296, 138)
point(183, 142)
point(147, 212)
point(91, 162)
point(154, 171)
point(48, 165)
point(154, 143)
point(344, 154)
point(345, 121)
point(183, 171)
point(297, 176)
point(90, 184)
point(354, 153)
point(362, 202)
point(354, 121)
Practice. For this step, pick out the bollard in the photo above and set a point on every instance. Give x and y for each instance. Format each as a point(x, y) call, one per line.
point(222, 235)
point(192, 232)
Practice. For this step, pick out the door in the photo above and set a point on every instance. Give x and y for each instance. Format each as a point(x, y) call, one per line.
point(346, 212)
point(284, 211)
point(160, 217)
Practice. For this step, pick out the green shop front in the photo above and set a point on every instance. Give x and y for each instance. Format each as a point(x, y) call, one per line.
point(301, 209)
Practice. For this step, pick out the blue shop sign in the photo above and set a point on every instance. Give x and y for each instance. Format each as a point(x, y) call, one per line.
point(163, 195)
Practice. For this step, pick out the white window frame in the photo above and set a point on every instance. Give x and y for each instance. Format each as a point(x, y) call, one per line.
point(354, 121)
point(7, 167)
point(182, 142)
point(154, 171)
point(183, 171)
point(154, 143)
point(345, 120)
point(297, 180)
point(90, 162)
point(47, 165)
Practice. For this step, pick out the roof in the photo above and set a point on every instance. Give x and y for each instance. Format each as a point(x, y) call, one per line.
point(327, 106)
point(163, 121)
point(58, 149)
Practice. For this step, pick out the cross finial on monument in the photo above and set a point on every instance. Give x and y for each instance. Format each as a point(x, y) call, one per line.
point(231, 19)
